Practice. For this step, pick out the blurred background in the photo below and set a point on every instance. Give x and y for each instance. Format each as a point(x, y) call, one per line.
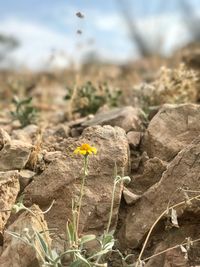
point(77, 57)
point(48, 35)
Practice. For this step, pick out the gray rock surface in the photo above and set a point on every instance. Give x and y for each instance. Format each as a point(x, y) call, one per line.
point(128, 118)
point(182, 172)
point(16, 253)
point(61, 180)
point(171, 129)
point(9, 189)
point(14, 154)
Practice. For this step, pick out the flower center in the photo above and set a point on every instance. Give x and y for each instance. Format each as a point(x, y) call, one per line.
point(85, 147)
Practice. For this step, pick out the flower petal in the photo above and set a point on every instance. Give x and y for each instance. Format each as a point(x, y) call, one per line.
point(77, 150)
point(94, 150)
point(83, 152)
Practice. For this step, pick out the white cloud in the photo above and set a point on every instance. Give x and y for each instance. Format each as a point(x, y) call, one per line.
point(112, 41)
point(36, 41)
point(168, 29)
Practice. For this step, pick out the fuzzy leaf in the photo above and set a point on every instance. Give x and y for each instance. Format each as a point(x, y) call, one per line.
point(43, 244)
point(87, 238)
point(174, 218)
point(83, 261)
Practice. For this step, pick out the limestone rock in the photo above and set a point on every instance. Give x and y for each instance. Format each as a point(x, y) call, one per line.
point(51, 156)
point(27, 134)
point(9, 189)
point(171, 129)
point(128, 118)
point(183, 171)
point(62, 130)
point(61, 180)
point(25, 177)
point(130, 197)
point(152, 172)
point(134, 138)
point(14, 154)
point(15, 252)
point(4, 138)
point(176, 257)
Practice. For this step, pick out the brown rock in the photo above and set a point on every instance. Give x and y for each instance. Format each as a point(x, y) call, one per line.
point(9, 189)
point(62, 131)
point(4, 138)
point(51, 156)
point(61, 180)
point(134, 138)
point(183, 171)
point(27, 134)
point(175, 257)
point(16, 253)
point(128, 118)
point(130, 197)
point(171, 129)
point(14, 154)
point(25, 177)
point(152, 173)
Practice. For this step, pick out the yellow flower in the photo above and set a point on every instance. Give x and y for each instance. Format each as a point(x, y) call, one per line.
point(85, 149)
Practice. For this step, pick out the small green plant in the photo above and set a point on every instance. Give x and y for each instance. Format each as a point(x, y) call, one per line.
point(90, 98)
point(24, 112)
point(106, 240)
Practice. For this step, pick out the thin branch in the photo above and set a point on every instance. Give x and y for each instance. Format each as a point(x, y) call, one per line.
point(157, 220)
point(168, 249)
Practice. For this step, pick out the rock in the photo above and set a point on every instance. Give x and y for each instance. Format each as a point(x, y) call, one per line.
point(61, 180)
point(9, 189)
point(75, 132)
point(175, 257)
point(14, 155)
point(16, 253)
point(171, 129)
point(54, 134)
point(151, 174)
point(51, 156)
point(27, 134)
point(25, 176)
point(128, 118)
point(4, 138)
point(137, 160)
point(62, 131)
point(134, 138)
point(183, 171)
point(130, 197)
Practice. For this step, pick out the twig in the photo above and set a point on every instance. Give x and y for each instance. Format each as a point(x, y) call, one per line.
point(168, 249)
point(191, 191)
point(46, 211)
point(157, 220)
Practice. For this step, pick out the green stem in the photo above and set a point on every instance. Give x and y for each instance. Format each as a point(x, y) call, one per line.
point(111, 208)
point(112, 200)
point(85, 173)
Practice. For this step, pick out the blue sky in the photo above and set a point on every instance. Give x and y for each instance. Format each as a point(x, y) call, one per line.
point(45, 25)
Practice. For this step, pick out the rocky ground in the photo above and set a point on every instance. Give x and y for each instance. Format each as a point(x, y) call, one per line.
point(159, 150)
